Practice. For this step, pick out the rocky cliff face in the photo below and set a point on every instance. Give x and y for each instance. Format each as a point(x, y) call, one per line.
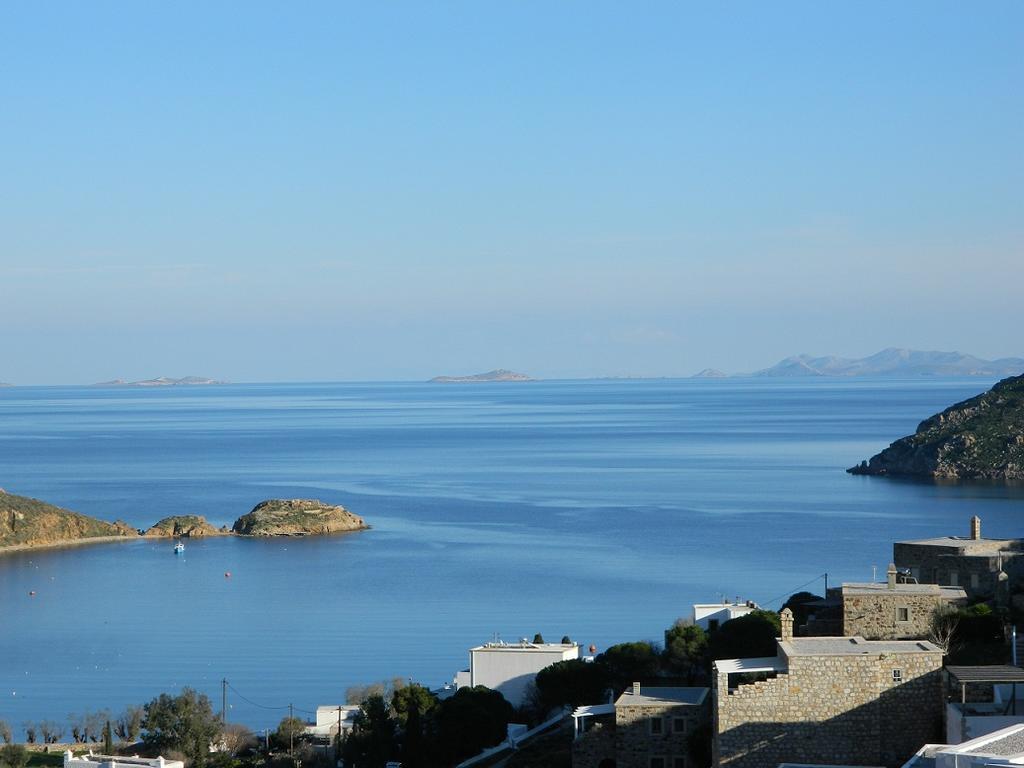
point(296, 517)
point(25, 521)
point(182, 526)
point(981, 438)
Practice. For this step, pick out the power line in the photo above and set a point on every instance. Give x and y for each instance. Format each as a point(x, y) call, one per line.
point(264, 706)
point(789, 592)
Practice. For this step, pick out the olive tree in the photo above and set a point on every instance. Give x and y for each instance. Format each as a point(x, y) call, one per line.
point(185, 723)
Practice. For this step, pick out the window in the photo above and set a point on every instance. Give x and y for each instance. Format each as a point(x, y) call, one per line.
point(678, 762)
point(975, 581)
point(657, 727)
point(678, 725)
point(656, 762)
point(902, 613)
point(954, 579)
point(897, 675)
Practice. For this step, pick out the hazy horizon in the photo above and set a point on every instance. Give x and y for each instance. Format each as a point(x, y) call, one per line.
point(347, 192)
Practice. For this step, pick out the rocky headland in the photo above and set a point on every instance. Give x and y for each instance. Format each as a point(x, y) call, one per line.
point(297, 517)
point(186, 526)
point(26, 522)
point(498, 374)
point(979, 439)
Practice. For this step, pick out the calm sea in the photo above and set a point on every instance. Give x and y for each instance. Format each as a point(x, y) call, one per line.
point(600, 510)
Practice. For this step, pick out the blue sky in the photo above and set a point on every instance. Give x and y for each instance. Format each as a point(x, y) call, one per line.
point(260, 191)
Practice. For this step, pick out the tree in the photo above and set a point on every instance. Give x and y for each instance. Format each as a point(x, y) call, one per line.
point(129, 723)
point(5, 732)
point(185, 722)
point(798, 604)
point(413, 737)
point(630, 662)
point(412, 694)
point(289, 730)
point(538, 639)
point(108, 739)
point(30, 731)
point(746, 637)
point(14, 756)
point(686, 650)
point(237, 739)
point(372, 741)
point(572, 683)
point(470, 721)
point(50, 731)
point(942, 627)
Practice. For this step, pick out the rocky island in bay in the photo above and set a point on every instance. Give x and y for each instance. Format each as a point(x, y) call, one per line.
point(27, 523)
point(186, 526)
point(297, 517)
point(978, 439)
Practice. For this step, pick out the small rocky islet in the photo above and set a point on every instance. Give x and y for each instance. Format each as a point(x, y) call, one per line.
point(29, 523)
point(981, 438)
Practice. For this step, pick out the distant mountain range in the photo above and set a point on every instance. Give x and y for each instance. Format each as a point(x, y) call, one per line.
point(499, 374)
point(162, 381)
point(888, 362)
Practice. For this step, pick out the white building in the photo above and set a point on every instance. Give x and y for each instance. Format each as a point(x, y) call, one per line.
point(330, 717)
point(710, 616)
point(1004, 747)
point(509, 668)
point(119, 761)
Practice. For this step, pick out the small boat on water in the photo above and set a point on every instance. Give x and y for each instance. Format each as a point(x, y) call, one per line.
point(179, 548)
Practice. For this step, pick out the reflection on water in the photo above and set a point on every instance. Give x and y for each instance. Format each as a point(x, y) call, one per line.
point(598, 509)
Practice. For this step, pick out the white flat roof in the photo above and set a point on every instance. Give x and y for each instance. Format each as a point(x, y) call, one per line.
point(661, 695)
point(542, 647)
point(761, 664)
point(849, 646)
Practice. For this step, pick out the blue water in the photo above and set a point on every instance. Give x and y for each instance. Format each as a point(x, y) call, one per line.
point(598, 509)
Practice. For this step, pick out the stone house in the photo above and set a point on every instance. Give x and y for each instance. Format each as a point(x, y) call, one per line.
point(646, 727)
point(888, 611)
point(827, 700)
point(985, 568)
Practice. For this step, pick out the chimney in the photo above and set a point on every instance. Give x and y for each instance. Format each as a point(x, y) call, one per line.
point(787, 624)
point(890, 574)
point(636, 689)
point(975, 527)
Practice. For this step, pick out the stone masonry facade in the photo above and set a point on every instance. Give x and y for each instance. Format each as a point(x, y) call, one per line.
point(637, 742)
point(843, 709)
point(889, 615)
point(645, 734)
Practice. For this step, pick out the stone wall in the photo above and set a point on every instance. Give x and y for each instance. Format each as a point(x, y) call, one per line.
point(635, 744)
point(877, 616)
point(838, 709)
point(594, 746)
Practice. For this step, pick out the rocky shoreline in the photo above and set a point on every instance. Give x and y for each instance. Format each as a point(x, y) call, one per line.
point(27, 524)
point(978, 439)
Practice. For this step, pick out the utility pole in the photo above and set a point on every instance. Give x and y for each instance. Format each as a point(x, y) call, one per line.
point(337, 743)
point(223, 702)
